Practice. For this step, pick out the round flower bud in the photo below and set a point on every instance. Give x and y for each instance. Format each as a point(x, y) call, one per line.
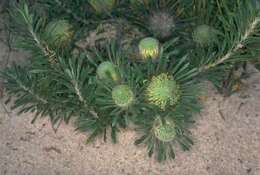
point(162, 91)
point(149, 48)
point(161, 24)
point(102, 6)
point(59, 33)
point(108, 71)
point(123, 96)
point(165, 132)
point(204, 35)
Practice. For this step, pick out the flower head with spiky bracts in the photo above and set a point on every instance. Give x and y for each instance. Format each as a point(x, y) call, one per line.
point(107, 70)
point(163, 90)
point(166, 131)
point(149, 48)
point(59, 33)
point(123, 96)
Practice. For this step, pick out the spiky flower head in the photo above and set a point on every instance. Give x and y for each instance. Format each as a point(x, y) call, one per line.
point(108, 71)
point(59, 33)
point(204, 35)
point(149, 48)
point(166, 131)
point(102, 6)
point(163, 90)
point(123, 96)
point(161, 24)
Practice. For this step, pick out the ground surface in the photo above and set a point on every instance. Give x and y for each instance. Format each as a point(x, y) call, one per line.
point(226, 135)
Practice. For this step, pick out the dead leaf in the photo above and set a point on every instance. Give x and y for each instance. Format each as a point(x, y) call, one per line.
point(203, 98)
point(236, 87)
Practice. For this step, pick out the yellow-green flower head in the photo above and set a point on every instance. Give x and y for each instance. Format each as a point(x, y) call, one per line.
point(102, 6)
point(204, 35)
point(165, 132)
point(149, 48)
point(59, 33)
point(108, 71)
point(162, 91)
point(123, 96)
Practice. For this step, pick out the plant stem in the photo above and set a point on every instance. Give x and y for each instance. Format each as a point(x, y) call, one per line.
point(81, 98)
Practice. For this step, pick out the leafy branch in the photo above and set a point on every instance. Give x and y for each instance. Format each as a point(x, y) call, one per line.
point(17, 80)
point(28, 27)
point(236, 47)
point(73, 76)
point(245, 23)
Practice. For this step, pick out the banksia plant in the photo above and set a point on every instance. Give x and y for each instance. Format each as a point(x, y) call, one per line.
point(154, 89)
point(59, 33)
point(172, 94)
point(149, 48)
point(161, 135)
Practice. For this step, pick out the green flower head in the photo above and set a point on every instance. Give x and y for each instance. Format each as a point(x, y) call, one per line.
point(108, 71)
point(123, 96)
point(165, 132)
point(162, 91)
point(204, 35)
point(102, 6)
point(149, 48)
point(59, 33)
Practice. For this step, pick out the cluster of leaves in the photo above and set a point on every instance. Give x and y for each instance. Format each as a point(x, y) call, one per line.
point(201, 40)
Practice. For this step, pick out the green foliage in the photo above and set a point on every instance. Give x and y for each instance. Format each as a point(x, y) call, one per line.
point(204, 35)
point(107, 88)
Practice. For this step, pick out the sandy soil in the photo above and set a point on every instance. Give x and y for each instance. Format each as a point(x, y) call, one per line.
point(226, 135)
